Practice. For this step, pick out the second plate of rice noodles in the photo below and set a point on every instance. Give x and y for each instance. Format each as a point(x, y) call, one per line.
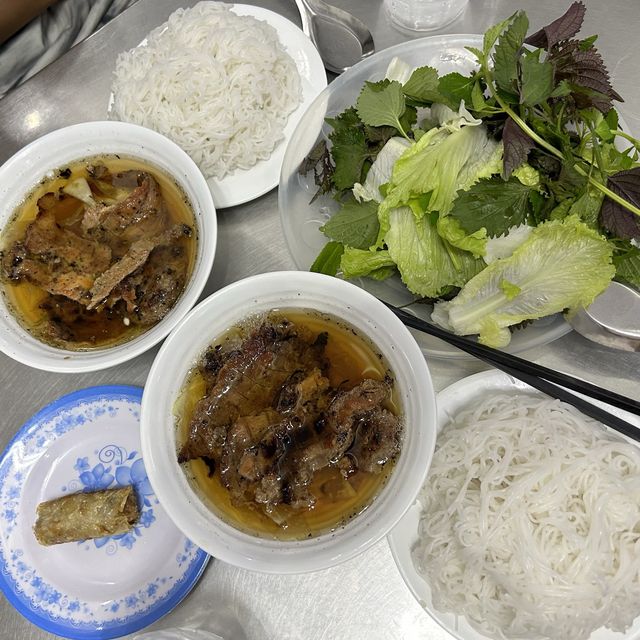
point(528, 525)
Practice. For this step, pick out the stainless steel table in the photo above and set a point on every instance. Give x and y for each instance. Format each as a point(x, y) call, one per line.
point(364, 598)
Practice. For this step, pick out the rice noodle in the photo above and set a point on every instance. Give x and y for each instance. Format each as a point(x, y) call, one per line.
point(531, 521)
point(219, 85)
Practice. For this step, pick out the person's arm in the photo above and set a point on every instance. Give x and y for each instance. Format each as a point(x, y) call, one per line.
point(14, 14)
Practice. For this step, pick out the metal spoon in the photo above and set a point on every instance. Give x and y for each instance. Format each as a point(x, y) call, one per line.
point(613, 319)
point(341, 39)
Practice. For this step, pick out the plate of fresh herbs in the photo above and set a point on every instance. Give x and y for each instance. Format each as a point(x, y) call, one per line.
point(486, 182)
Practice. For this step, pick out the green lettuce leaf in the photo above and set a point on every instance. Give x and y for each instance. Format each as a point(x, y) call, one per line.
point(443, 162)
point(381, 170)
point(561, 265)
point(450, 229)
point(427, 265)
point(356, 263)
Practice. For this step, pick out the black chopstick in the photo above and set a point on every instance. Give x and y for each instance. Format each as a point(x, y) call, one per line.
point(591, 410)
point(554, 383)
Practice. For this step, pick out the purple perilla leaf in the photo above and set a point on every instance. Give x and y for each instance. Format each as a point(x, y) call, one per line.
point(517, 145)
point(613, 216)
point(563, 28)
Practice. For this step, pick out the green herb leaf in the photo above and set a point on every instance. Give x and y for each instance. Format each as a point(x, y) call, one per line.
point(561, 90)
point(477, 98)
point(381, 103)
point(455, 87)
point(493, 204)
point(355, 224)
point(507, 52)
point(347, 119)
point(603, 131)
point(493, 33)
point(536, 80)
point(328, 260)
point(423, 85)
point(587, 207)
point(477, 53)
point(587, 43)
point(349, 153)
point(628, 266)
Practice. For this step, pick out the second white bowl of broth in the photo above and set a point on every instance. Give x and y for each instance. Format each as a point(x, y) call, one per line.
point(25, 177)
point(166, 406)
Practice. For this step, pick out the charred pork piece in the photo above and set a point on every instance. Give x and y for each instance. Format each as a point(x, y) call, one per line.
point(341, 422)
point(312, 449)
point(135, 257)
point(139, 215)
point(252, 453)
point(377, 440)
point(250, 380)
point(56, 259)
point(212, 362)
point(151, 290)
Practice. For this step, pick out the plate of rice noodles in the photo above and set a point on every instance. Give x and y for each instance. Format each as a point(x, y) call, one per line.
point(226, 82)
point(528, 525)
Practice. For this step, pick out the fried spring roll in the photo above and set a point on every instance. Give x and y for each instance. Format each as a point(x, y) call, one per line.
point(82, 516)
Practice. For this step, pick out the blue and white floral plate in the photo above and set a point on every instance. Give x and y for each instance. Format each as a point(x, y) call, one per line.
point(101, 588)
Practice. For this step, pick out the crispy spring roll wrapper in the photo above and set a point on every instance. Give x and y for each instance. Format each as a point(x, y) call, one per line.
point(82, 516)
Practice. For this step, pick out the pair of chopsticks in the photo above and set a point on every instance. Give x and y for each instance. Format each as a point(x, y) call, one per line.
point(548, 381)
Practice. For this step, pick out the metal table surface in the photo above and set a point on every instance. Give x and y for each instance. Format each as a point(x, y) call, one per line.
point(366, 597)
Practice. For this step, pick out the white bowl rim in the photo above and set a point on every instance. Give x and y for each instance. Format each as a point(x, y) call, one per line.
point(208, 531)
point(20, 345)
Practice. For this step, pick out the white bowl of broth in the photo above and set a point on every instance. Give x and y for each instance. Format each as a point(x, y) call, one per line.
point(296, 457)
point(108, 234)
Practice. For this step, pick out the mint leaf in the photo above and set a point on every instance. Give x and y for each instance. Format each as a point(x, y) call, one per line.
point(493, 33)
point(603, 131)
point(328, 260)
point(565, 27)
point(355, 224)
point(507, 52)
point(381, 103)
point(493, 204)
point(455, 87)
point(536, 83)
point(477, 98)
point(614, 217)
point(561, 90)
point(612, 119)
point(477, 53)
point(587, 43)
point(423, 85)
point(517, 145)
point(349, 152)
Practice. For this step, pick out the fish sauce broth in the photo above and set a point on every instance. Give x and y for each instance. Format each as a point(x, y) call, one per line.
point(311, 436)
point(98, 252)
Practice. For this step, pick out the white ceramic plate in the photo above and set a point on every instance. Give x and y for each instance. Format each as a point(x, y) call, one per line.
point(104, 588)
point(403, 537)
point(246, 185)
point(301, 220)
